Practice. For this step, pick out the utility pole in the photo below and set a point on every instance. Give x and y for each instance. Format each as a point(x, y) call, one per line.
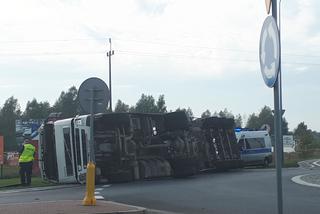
point(109, 54)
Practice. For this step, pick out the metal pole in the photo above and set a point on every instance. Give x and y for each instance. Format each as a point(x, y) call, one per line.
point(277, 125)
point(92, 158)
point(89, 198)
point(280, 82)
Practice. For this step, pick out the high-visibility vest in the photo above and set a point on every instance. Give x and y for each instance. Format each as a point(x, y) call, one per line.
point(27, 154)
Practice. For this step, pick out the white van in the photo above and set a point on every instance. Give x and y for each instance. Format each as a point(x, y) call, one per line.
point(255, 147)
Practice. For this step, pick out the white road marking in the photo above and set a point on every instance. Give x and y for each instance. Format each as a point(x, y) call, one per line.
point(309, 164)
point(96, 193)
point(316, 163)
point(298, 180)
point(99, 197)
point(99, 189)
point(107, 185)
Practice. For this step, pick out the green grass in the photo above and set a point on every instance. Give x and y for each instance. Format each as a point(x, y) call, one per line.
point(35, 182)
point(287, 163)
point(10, 179)
point(292, 159)
point(291, 163)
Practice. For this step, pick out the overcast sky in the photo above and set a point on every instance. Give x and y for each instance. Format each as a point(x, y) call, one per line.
point(199, 54)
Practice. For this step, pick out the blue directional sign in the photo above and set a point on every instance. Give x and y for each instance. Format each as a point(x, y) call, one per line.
point(269, 51)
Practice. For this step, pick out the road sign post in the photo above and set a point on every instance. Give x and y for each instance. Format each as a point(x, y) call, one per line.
point(278, 124)
point(270, 64)
point(93, 96)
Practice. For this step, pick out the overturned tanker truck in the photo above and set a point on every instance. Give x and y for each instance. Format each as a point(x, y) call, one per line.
point(134, 146)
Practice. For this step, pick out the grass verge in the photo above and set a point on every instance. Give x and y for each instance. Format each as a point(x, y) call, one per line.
point(10, 171)
point(13, 183)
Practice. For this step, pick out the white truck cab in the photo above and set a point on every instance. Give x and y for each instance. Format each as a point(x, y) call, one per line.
point(255, 147)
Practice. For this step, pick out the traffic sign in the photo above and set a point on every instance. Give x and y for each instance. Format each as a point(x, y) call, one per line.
point(269, 51)
point(95, 90)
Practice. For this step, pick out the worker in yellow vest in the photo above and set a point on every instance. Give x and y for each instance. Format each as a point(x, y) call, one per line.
point(26, 157)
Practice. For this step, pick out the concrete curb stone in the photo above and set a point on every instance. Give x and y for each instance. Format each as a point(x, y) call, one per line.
point(70, 207)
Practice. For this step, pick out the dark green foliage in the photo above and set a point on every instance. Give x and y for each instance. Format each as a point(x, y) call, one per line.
point(161, 104)
point(10, 112)
point(306, 138)
point(265, 117)
point(35, 110)
point(67, 103)
point(238, 120)
point(8, 115)
point(206, 114)
point(121, 107)
point(188, 111)
point(147, 104)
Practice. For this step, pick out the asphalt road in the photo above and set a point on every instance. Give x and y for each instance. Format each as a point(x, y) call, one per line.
point(241, 191)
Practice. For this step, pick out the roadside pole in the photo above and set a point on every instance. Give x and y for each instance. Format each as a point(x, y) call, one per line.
point(93, 96)
point(89, 198)
point(270, 64)
point(278, 122)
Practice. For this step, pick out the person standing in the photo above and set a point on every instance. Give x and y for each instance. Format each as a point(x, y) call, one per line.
point(26, 157)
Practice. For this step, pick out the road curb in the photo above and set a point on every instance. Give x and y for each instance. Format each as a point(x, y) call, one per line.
point(153, 211)
point(72, 206)
point(297, 179)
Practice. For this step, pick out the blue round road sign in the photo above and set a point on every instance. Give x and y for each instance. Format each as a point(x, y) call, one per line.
point(269, 51)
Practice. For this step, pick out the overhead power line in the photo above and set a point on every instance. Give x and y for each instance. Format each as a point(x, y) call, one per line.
point(162, 43)
point(149, 54)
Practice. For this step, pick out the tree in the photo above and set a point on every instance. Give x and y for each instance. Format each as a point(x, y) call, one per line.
point(161, 104)
point(206, 114)
point(316, 140)
point(67, 103)
point(188, 111)
point(265, 117)
point(121, 107)
point(303, 135)
point(146, 104)
point(225, 113)
point(9, 113)
point(285, 128)
point(238, 121)
point(35, 110)
point(253, 121)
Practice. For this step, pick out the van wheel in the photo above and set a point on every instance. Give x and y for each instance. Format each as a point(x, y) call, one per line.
point(266, 163)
